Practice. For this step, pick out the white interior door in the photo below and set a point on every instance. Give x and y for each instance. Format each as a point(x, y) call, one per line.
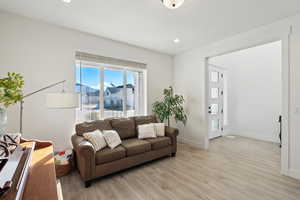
point(215, 102)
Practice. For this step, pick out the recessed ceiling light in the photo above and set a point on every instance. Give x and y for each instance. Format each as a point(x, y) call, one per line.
point(66, 1)
point(176, 40)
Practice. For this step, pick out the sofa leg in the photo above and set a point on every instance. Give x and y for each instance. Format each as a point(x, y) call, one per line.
point(173, 154)
point(87, 184)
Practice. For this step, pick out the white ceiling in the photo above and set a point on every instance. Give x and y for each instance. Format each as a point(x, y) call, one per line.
point(147, 23)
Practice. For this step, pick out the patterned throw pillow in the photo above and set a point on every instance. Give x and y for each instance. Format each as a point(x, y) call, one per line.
point(96, 138)
point(146, 131)
point(112, 138)
point(159, 129)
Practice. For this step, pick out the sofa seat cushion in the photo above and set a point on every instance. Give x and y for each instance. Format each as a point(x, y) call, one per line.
point(135, 146)
point(108, 155)
point(159, 142)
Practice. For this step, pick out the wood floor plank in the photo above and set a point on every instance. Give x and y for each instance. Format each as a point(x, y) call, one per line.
point(232, 169)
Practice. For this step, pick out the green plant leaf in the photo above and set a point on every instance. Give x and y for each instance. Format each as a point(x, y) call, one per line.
point(11, 89)
point(170, 106)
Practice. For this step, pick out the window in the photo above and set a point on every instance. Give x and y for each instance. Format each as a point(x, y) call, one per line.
point(114, 97)
point(88, 85)
point(214, 76)
point(132, 93)
point(214, 93)
point(109, 91)
point(214, 108)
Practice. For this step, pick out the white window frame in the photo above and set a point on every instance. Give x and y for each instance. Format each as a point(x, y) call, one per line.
point(140, 105)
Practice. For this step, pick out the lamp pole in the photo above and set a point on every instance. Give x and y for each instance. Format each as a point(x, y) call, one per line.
point(32, 93)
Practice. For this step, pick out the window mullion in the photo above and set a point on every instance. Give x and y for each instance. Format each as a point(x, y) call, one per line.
point(125, 93)
point(143, 92)
point(81, 88)
point(137, 94)
point(101, 98)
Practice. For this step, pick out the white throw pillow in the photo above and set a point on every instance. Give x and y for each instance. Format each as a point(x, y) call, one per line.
point(159, 129)
point(96, 138)
point(112, 138)
point(146, 131)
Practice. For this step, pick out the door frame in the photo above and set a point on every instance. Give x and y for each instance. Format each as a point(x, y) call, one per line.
point(285, 83)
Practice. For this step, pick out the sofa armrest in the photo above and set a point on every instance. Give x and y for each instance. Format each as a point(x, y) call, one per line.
point(172, 133)
point(85, 157)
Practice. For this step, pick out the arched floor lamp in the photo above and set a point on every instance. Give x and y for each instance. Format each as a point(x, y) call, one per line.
point(61, 100)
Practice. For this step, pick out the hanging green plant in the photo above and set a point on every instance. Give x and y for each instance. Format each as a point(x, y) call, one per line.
point(11, 89)
point(170, 106)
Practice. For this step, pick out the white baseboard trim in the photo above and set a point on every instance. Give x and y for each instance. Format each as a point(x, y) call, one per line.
point(252, 135)
point(284, 172)
point(294, 173)
point(190, 142)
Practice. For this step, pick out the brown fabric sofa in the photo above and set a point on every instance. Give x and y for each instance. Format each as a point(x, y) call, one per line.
point(132, 152)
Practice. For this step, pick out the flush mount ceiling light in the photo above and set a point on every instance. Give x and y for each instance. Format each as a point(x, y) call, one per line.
point(172, 4)
point(66, 1)
point(176, 40)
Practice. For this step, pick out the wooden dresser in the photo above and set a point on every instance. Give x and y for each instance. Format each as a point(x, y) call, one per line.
point(41, 182)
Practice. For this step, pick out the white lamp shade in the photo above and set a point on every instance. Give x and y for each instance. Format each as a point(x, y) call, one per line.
point(62, 100)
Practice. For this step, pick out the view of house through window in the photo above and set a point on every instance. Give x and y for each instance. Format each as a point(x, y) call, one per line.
point(122, 92)
point(113, 93)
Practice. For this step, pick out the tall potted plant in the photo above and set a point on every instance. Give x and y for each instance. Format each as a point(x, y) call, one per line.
point(10, 93)
point(170, 106)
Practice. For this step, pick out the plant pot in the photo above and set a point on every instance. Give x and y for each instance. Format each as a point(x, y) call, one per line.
point(3, 121)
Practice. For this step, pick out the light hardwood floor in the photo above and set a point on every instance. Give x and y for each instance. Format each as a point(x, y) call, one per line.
point(232, 169)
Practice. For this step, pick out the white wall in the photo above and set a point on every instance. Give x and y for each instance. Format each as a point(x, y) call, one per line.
point(45, 54)
point(189, 76)
point(253, 78)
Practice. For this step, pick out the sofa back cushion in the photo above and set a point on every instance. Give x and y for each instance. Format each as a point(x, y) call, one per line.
point(140, 120)
point(86, 127)
point(125, 127)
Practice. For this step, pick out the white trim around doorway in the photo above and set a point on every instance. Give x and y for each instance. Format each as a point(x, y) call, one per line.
point(285, 43)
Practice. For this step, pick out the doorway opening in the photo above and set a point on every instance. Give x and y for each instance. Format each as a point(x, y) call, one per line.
point(245, 94)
